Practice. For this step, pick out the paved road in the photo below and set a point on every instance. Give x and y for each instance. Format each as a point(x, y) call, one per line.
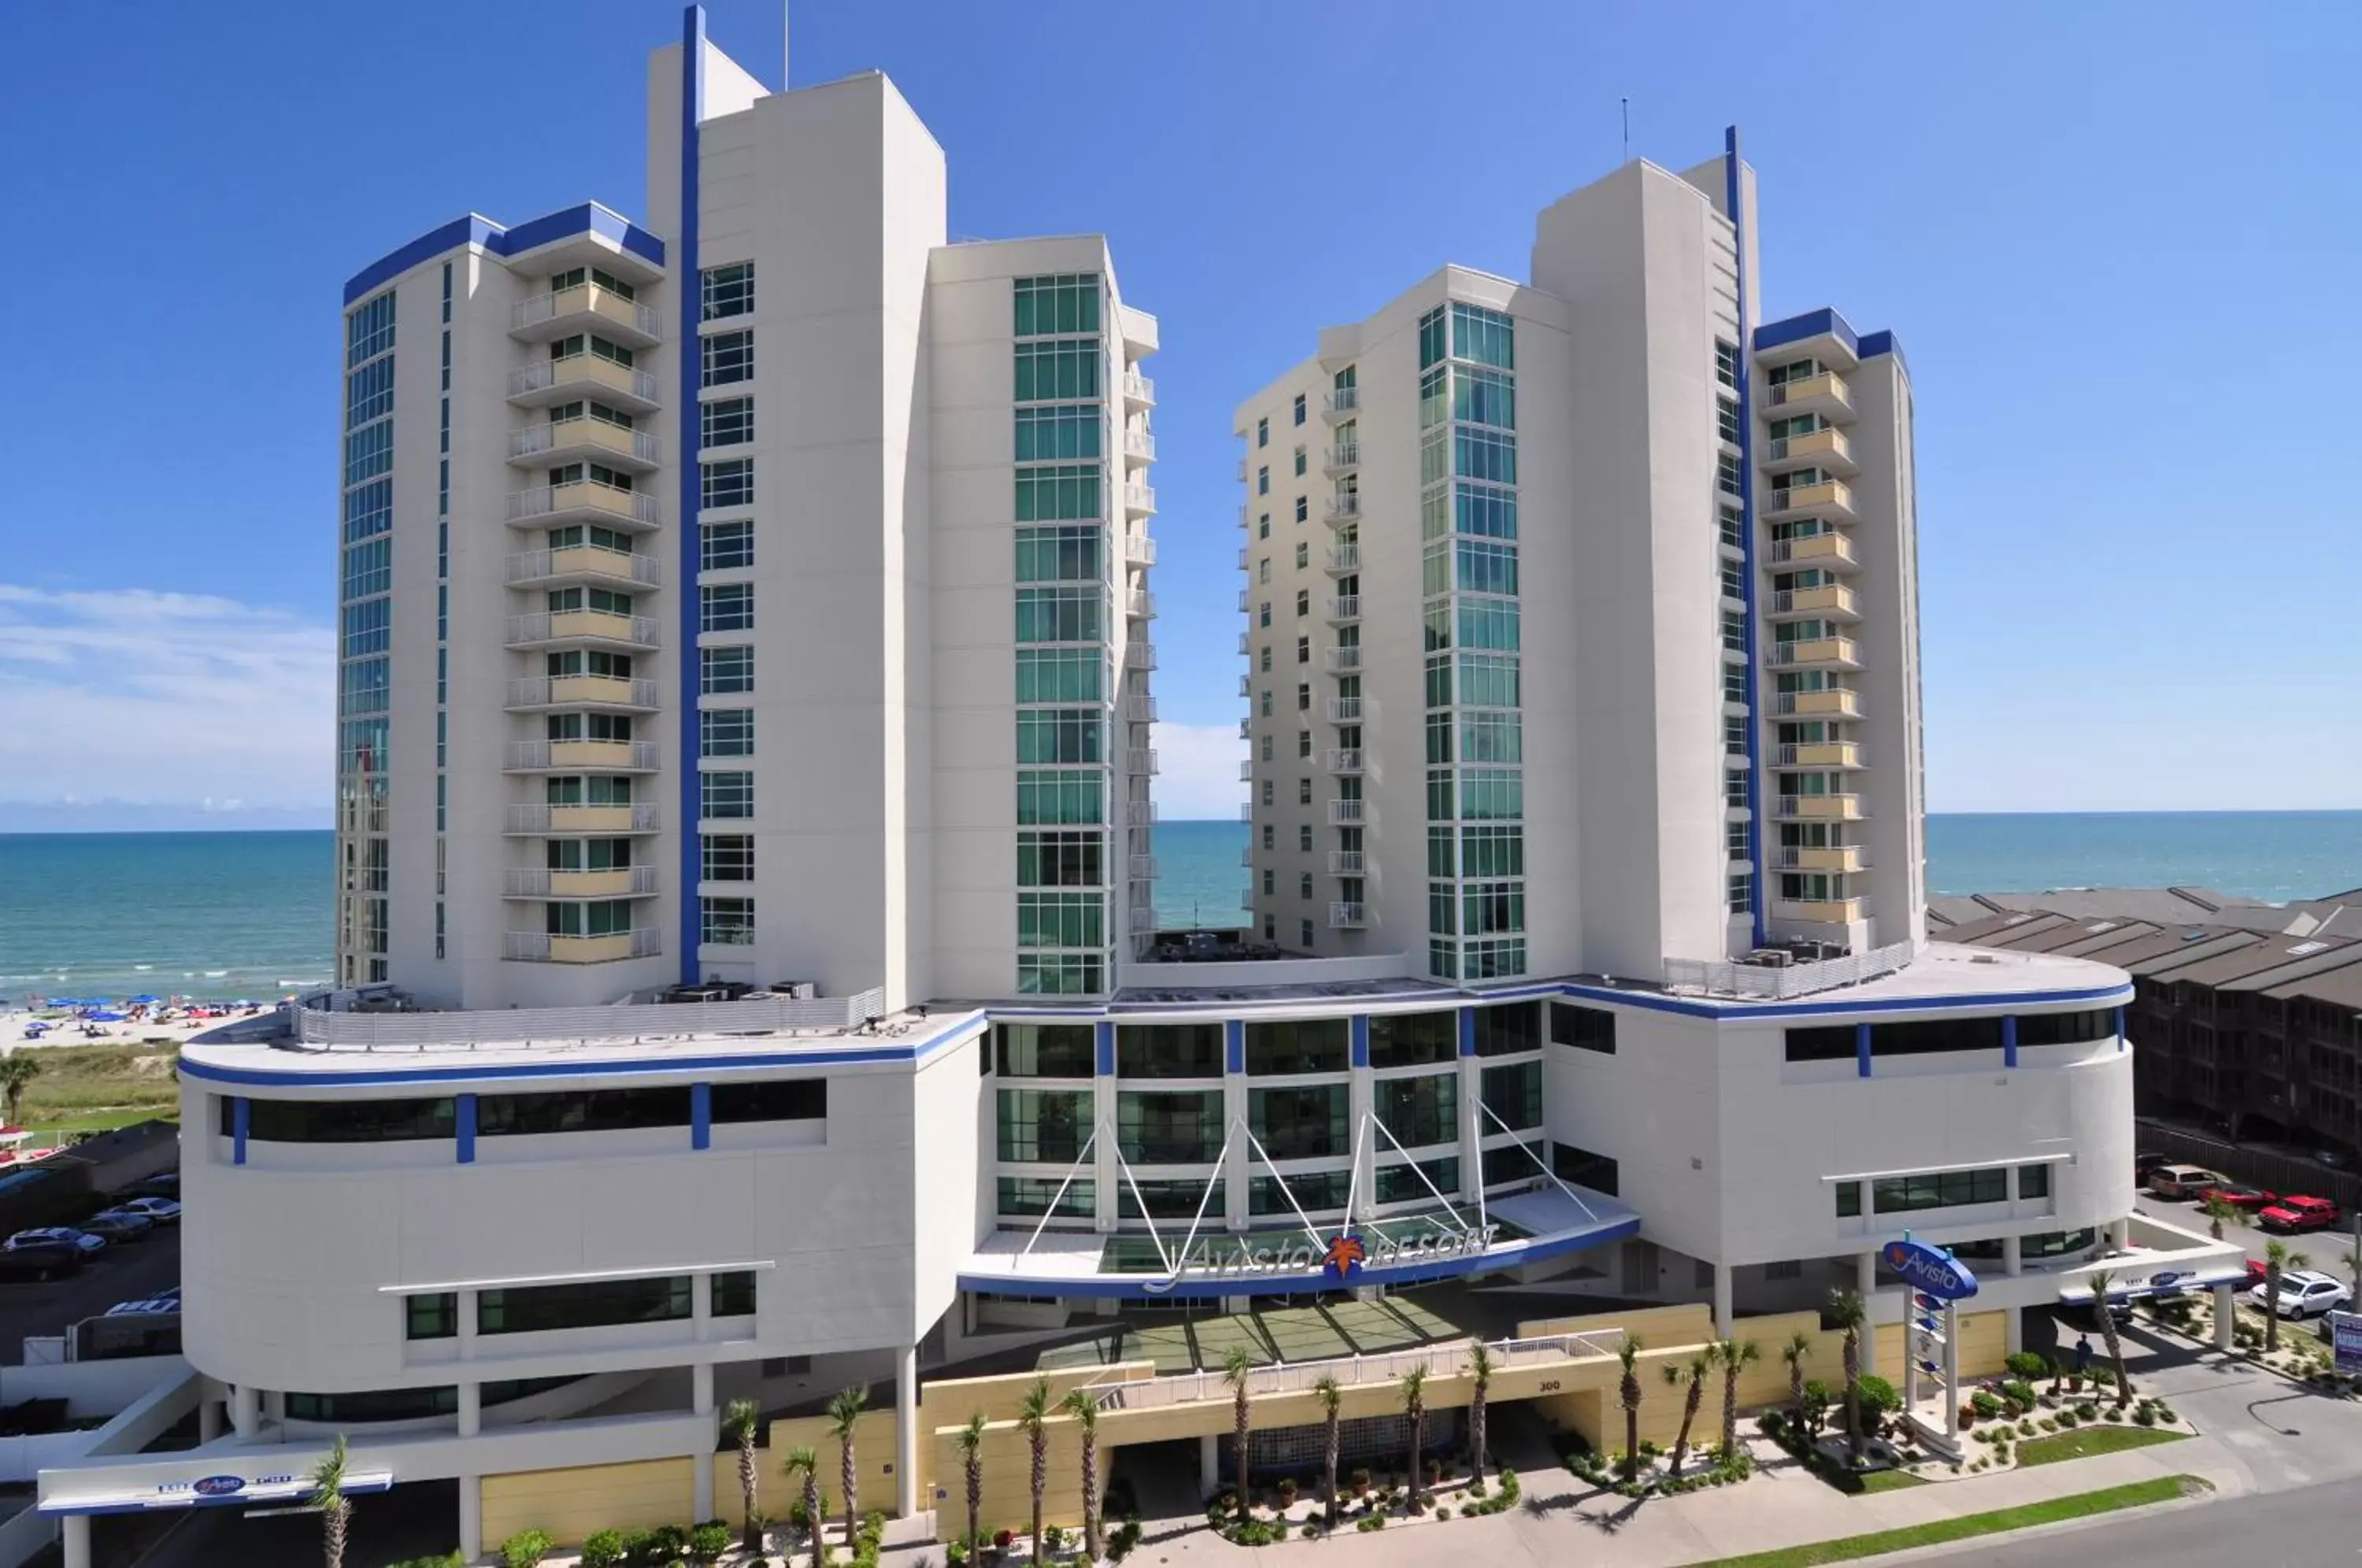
point(2282, 1529)
point(410, 1521)
point(124, 1272)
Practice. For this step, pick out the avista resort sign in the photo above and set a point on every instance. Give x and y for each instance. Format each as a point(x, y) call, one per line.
point(1333, 1266)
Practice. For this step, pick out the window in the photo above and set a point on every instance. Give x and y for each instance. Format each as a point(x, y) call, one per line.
point(1581, 1167)
point(1263, 481)
point(1585, 1028)
point(722, 545)
point(581, 1111)
point(1169, 1050)
point(1303, 513)
point(588, 1304)
point(343, 1122)
point(1311, 1191)
point(1049, 492)
point(1828, 1042)
point(1061, 920)
point(726, 731)
point(1423, 1109)
point(727, 356)
point(434, 1316)
point(1054, 797)
point(1299, 419)
point(1045, 1050)
point(1037, 1125)
point(1299, 451)
point(1513, 1093)
point(1726, 363)
point(1952, 1189)
point(726, 421)
point(368, 568)
point(1067, 370)
point(723, 670)
point(726, 857)
point(1304, 933)
point(1059, 555)
point(1169, 1127)
point(1174, 1199)
point(1060, 974)
point(733, 1294)
point(369, 451)
point(726, 922)
point(1060, 860)
point(726, 291)
point(1056, 431)
point(773, 1100)
point(2034, 1181)
point(1298, 1045)
point(1931, 1035)
point(1848, 1199)
point(1300, 1123)
point(1031, 1197)
point(1057, 674)
point(1503, 1030)
point(727, 607)
point(1304, 791)
point(2066, 1027)
point(1412, 1183)
point(1263, 431)
point(1057, 302)
point(730, 483)
point(725, 795)
point(368, 330)
point(1413, 1040)
point(369, 394)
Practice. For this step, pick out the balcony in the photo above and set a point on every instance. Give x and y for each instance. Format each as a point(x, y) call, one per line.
point(583, 501)
point(1342, 661)
point(544, 628)
point(1139, 500)
point(1246, 857)
point(1246, 771)
point(1346, 813)
point(1139, 549)
point(539, 947)
point(1243, 646)
point(1341, 404)
point(1342, 559)
point(593, 564)
point(586, 307)
point(1832, 600)
point(581, 757)
point(1834, 551)
point(1141, 761)
point(1246, 686)
point(548, 381)
point(1139, 445)
point(1139, 708)
point(1820, 653)
point(608, 691)
point(1140, 655)
point(1345, 609)
point(580, 440)
point(1347, 863)
point(1342, 509)
point(625, 882)
point(1824, 754)
point(1827, 450)
point(1826, 394)
point(1246, 559)
point(1344, 710)
point(1143, 923)
point(1139, 605)
point(1828, 498)
point(1819, 808)
point(1141, 868)
point(1138, 389)
point(1833, 702)
point(639, 817)
point(1344, 759)
point(1338, 460)
point(1345, 916)
point(1246, 601)
point(1841, 857)
point(1245, 728)
point(1139, 813)
point(1818, 911)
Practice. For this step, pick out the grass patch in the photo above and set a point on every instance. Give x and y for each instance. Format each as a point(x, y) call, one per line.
point(1890, 1481)
point(2082, 1505)
point(85, 1088)
point(2084, 1442)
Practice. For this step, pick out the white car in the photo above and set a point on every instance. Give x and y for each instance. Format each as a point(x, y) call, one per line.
point(156, 1308)
point(56, 1236)
point(163, 1210)
point(2304, 1293)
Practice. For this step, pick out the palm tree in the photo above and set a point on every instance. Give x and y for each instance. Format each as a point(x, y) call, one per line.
point(2098, 1280)
point(1626, 1354)
point(1690, 1378)
point(1796, 1352)
point(1330, 1397)
point(1845, 1309)
point(1031, 1414)
point(740, 1420)
point(327, 1485)
point(2278, 1260)
point(971, 1447)
point(17, 1068)
point(1480, 1374)
point(1414, 1398)
point(804, 1463)
point(1731, 1355)
point(843, 1414)
point(1085, 1411)
point(2218, 1209)
point(1237, 1367)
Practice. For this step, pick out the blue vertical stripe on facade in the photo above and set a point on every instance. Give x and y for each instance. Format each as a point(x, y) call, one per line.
point(1468, 1031)
point(2009, 1040)
point(686, 285)
point(700, 1116)
point(1103, 1048)
point(1234, 1046)
point(463, 1120)
point(238, 1114)
point(1862, 1049)
point(2121, 1041)
point(1360, 1023)
point(1733, 197)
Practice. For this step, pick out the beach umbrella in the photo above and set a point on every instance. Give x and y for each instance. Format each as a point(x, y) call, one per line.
point(144, 1000)
point(104, 1017)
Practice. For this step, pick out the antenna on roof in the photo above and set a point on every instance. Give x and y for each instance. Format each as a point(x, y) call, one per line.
point(1626, 105)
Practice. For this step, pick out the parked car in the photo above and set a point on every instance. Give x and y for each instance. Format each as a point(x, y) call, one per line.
point(154, 1306)
point(2330, 1158)
point(56, 1235)
point(118, 1226)
point(2299, 1214)
point(2239, 1195)
point(163, 1211)
point(2145, 1165)
point(165, 1183)
point(2304, 1293)
point(40, 1260)
point(2183, 1183)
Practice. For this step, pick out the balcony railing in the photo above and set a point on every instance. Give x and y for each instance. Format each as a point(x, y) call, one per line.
point(1140, 708)
point(1814, 650)
point(1140, 444)
point(600, 434)
point(1346, 813)
point(1139, 605)
point(1244, 647)
point(533, 882)
point(536, 946)
point(1246, 601)
point(1763, 982)
point(1818, 911)
point(1139, 499)
point(1834, 495)
point(586, 368)
point(1827, 387)
point(638, 817)
point(1346, 862)
point(1141, 761)
point(1830, 598)
point(1344, 916)
point(586, 496)
point(1246, 771)
point(1140, 655)
point(1344, 710)
point(1345, 457)
point(590, 690)
point(1344, 400)
point(1347, 608)
point(585, 560)
point(1841, 857)
point(1823, 753)
point(1246, 686)
point(1819, 808)
point(588, 299)
point(1138, 388)
point(594, 755)
point(1812, 547)
point(1345, 557)
point(1340, 660)
point(1139, 813)
point(1343, 508)
point(1344, 759)
point(1139, 549)
point(582, 625)
point(1143, 922)
point(1832, 703)
point(1143, 868)
point(1815, 443)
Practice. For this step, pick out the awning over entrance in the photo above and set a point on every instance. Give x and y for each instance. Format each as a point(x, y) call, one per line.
point(2163, 1282)
point(1402, 1249)
point(222, 1489)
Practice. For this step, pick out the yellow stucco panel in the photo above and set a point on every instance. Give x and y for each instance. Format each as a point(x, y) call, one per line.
point(571, 1504)
point(873, 1463)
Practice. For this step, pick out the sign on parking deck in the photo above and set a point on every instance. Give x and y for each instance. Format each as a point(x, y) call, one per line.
point(2346, 1341)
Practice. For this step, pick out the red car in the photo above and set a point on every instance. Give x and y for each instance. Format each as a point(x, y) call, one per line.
point(2239, 1195)
point(2299, 1214)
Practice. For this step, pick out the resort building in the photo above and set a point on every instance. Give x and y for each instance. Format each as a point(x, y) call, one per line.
point(757, 996)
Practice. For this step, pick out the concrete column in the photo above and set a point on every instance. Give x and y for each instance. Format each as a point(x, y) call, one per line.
point(74, 1537)
point(701, 1305)
point(701, 1394)
point(209, 1421)
point(1865, 1285)
point(471, 1408)
point(1210, 1464)
point(2226, 1314)
point(1472, 1128)
point(2013, 1255)
point(906, 1433)
point(471, 1516)
point(466, 1335)
point(1238, 1165)
point(1360, 1096)
point(2120, 1232)
point(2012, 1331)
point(274, 1407)
point(701, 1483)
point(245, 1410)
point(1104, 1170)
point(1723, 1320)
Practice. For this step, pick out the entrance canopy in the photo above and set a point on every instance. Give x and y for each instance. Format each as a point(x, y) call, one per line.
point(226, 1489)
point(2163, 1282)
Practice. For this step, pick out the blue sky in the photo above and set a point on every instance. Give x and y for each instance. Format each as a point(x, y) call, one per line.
point(2120, 243)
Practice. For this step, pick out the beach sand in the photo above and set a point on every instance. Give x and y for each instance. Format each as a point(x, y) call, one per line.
point(67, 1030)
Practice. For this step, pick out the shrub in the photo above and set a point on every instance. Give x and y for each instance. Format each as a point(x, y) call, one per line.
point(1004, 1539)
point(2145, 1416)
point(1442, 1512)
point(1359, 1478)
point(2087, 1411)
point(1054, 1539)
point(441, 1559)
point(708, 1541)
point(1310, 1532)
point(604, 1549)
point(1985, 1404)
point(526, 1548)
point(2029, 1365)
point(2020, 1391)
point(955, 1552)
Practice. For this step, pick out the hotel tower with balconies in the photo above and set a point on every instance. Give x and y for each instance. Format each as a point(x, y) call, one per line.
point(1582, 612)
point(758, 595)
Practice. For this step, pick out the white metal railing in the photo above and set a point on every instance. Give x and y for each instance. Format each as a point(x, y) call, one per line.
point(1246, 857)
point(612, 501)
point(1140, 655)
point(538, 626)
point(624, 566)
point(1345, 760)
point(1246, 729)
point(1244, 647)
point(641, 1020)
point(1345, 813)
point(642, 445)
point(1143, 922)
point(1841, 649)
point(1138, 388)
point(1246, 601)
point(1139, 498)
point(1344, 508)
point(1143, 868)
point(1246, 557)
point(1344, 457)
point(586, 298)
point(1785, 702)
point(1345, 862)
point(1344, 400)
point(1246, 686)
point(1344, 557)
point(532, 946)
point(1242, 479)
point(538, 819)
point(1345, 916)
point(1847, 857)
point(1139, 813)
point(1843, 808)
point(1342, 659)
point(1849, 754)
point(544, 374)
point(1836, 546)
point(535, 881)
point(1246, 771)
point(1765, 982)
point(1140, 444)
point(1139, 603)
point(1383, 1368)
point(1347, 608)
point(1139, 548)
point(1344, 710)
point(1142, 761)
point(638, 756)
point(536, 691)
point(1826, 384)
point(1140, 708)
point(1842, 598)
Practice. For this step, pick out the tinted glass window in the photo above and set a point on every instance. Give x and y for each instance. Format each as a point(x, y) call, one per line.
point(733, 1294)
point(1832, 1043)
point(584, 1305)
point(1583, 1168)
point(1502, 1029)
point(1169, 1050)
point(582, 1111)
point(1298, 1045)
point(778, 1100)
point(343, 1122)
point(1045, 1050)
point(1585, 1027)
point(1414, 1039)
point(2066, 1027)
point(1934, 1034)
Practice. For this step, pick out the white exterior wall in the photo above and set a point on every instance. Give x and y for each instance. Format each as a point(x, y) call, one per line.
point(1892, 784)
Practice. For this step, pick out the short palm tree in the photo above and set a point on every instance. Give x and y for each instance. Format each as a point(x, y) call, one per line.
point(1732, 1356)
point(843, 1415)
point(1845, 1309)
point(1085, 1409)
point(2100, 1280)
point(803, 1464)
point(1332, 1399)
point(18, 1069)
point(1414, 1398)
point(1480, 1383)
point(1628, 1355)
point(1031, 1415)
point(2218, 1209)
point(741, 1419)
point(971, 1447)
point(2278, 1260)
point(328, 1497)
point(1238, 1367)
point(1796, 1352)
point(1691, 1380)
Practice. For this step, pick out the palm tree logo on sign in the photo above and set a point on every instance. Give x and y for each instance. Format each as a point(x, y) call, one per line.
point(1344, 1257)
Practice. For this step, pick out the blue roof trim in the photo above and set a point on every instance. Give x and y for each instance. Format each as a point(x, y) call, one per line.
point(476, 229)
point(1874, 344)
point(1812, 323)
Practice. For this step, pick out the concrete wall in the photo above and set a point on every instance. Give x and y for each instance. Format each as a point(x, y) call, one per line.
point(572, 1504)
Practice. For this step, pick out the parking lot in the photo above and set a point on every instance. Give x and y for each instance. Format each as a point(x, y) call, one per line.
point(126, 1272)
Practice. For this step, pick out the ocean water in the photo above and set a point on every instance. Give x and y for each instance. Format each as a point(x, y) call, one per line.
point(222, 915)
